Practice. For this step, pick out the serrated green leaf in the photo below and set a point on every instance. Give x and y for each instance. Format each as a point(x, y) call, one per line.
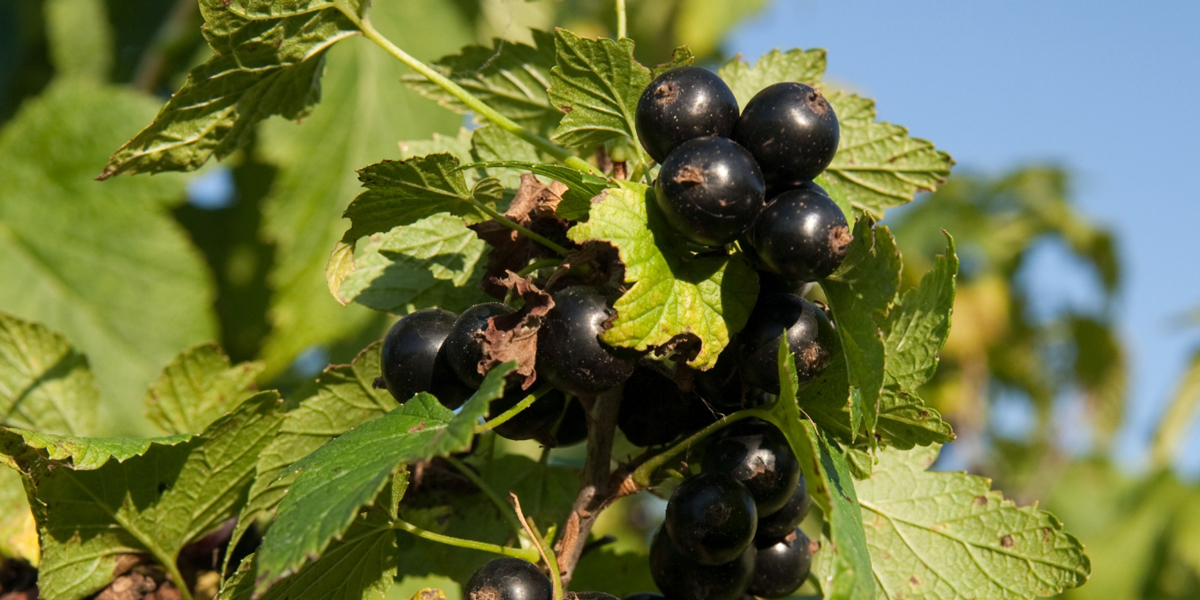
point(80, 38)
point(597, 84)
point(81, 453)
point(260, 67)
point(847, 575)
point(459, 145)
point(581, 187)
point(364, 111)
point(804, 66)
point(197, 388)
point(435, 262)
point(493, 144)
point(402, 192)
point(681, 57)
point(273, 9)
point(860, 294)
point(511, 77)
point(44, 384)
point(334, 482)
point(947, 536)
point(878, 163)
point(709, 298)
point(156, 502)
point(102, 263)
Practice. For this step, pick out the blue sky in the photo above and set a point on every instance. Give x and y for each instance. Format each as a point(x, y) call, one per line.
point(1110, 90)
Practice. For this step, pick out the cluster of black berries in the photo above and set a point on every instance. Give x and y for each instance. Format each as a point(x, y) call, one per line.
point(727, 176)
point(733, 528)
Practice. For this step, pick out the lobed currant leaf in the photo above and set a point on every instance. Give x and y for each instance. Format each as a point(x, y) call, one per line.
point(597, 84)
point(198, 387)
point(44, 383)
point(804, 66)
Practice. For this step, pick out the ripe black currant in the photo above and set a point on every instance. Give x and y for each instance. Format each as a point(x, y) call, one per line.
point(756, 454)
point(810, 335)
point(570, 355)
point(683, 104)
point(535, 422)
point(711, 518)
point(413, 358)
point(680, 578)
point(778, 524)
point(720, 386)
point(573, 427)
point(780, 568)
point(792, 131)
point(710, 190)
point(464, 345)
point(802, 234)
point(653, 409)
point(508, 579)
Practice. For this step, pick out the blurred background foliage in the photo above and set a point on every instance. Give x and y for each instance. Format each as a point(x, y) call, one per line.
point(136, 270)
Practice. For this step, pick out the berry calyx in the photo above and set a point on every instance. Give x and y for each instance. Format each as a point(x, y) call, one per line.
point(810, 334)
point(508, 579)
point(653, 409)
point(681, 578)
point(780, 523)
point(756, 454)
point(414, 360)
point(710, 190)
point(711, 518)
point(802, 234)
point(464, 345)
point(570, 355)
point(781, 568)
point(791, 130)
point(683, 104)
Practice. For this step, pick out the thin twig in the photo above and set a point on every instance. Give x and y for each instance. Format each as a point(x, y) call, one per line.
point(540, 544)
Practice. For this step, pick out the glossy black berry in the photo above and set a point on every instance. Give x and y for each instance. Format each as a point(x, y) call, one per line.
point(780, 523)
point(681, 578)
point(413, 358)
point(710, 190)
point(464, 345)
point(780, 568)
point(802, 234)
point(711, 518)
point(683, 104)
point(792, 131)
point(756, 454)
point(534, 422)
point(810, 335)
point(653, 409)
point(508, 579)
point(720, 386)
point(573, 427)
point(570, 355)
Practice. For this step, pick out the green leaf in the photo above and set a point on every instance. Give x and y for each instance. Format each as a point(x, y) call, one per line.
point(364, 110)
point(493, 144)
point(81, 453)
point(511, 77)
point(681, 57)
point(581, 187)
point(913, 335)
point(402, 192)
point(334, 482)
point(157, 502)
point(460, 145)
point(197, 388)
point(101, 263)
point(612, 572)
point(878, 163)
point(597, 84)
point(705, 298)
point(847, 565)
point(804, 66)
point(44, 384)
point(435, 262)
point(18, 530)
point(80, 38)
point(860, 294)
point(948, 536)
point(260, 67)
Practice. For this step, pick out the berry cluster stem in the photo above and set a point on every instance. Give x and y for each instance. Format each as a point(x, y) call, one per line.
point(526, 554)
point(621, 21)
point(642, 476)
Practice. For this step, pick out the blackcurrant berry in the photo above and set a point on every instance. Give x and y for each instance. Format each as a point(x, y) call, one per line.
point(683, 104)
point(680, 578)
point(464, 345)
point(782, 567)
point(535, 422)
point(802, 234)
point(653, 409)
point(414, 360)
point(792, 131)
point(710, 190)
point(508, 579)
point(778, 524)
point(711, 518)
point(810, 335)
point(720, 386)
point(570, 355)
point(756, 454)
point(573, 427)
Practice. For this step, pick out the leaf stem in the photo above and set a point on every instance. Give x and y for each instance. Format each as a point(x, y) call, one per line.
point(526, 554)
point(487, 490)
point(480, 107)
point(507, 415)
point(621, 22)
point(537, 265)
point(542, 545)
point(517, 227)
point(177, 577)
point(642, 475)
